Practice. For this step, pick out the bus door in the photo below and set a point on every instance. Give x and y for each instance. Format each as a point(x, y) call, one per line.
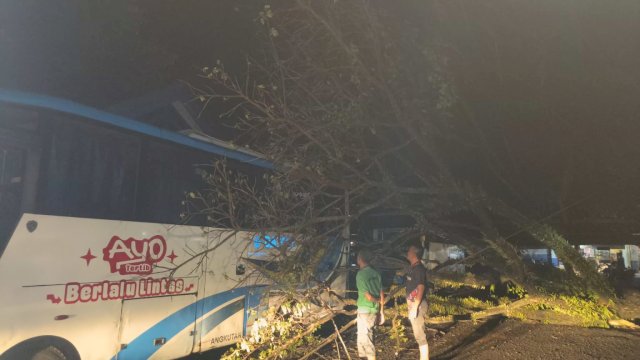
point(157, 328)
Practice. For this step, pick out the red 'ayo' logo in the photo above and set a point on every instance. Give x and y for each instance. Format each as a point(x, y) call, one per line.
point(134, 256)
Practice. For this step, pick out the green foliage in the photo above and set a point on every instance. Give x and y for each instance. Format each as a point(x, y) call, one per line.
point(579, 271)
point(552, 281)
point(474, 304)
point(584, 309)
point(518, 315)
point(591, 313)
point(280, 334)
point(445, 306)
point(475, 297)
point(515, 291)
point(568, 294)
point(492, 289)
point(457, 281)
point(505, 292)
point(503, 300)
point(540, 306)
point(397, 332)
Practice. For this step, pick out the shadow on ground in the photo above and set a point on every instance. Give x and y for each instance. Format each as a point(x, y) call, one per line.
point(482, 331)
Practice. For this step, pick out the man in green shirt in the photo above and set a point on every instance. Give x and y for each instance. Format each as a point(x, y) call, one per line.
point(370, 299)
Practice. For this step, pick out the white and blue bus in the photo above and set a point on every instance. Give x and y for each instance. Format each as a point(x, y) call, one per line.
point(92, 263)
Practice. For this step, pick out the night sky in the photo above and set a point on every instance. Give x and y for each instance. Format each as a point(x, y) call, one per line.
point(555, 84)
point(103, 52)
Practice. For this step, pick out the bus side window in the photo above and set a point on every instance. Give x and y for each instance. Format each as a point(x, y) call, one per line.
point(167, 175)
point(89, 172)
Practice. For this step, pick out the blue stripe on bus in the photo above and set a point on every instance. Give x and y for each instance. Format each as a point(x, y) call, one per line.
point(221, 315)
point(70, 107)
point(142, 347)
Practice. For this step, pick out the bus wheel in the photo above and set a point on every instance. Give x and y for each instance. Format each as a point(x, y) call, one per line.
point(50, 353)
point(42, 348)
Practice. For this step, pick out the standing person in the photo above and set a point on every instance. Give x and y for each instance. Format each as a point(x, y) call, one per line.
point(416, 298)
point(370, 298)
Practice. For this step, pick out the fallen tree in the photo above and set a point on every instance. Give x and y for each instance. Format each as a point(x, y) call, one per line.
point(357, 106)
point(358, 110)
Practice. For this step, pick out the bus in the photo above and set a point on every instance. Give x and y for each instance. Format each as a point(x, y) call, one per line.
point(95, 262)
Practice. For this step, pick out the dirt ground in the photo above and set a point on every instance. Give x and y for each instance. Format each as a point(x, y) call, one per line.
point(511, 339)
point(629, 305)
point(502, 338)
point(540, 337)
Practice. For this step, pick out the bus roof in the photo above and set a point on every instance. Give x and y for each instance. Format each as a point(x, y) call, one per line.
point(70, 107)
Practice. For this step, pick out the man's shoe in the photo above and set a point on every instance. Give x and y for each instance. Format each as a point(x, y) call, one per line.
point(424, 352)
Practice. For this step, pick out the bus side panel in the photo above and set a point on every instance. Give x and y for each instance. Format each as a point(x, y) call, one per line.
point(34, 271)
point(157, 328)
point(68, 277)
point(223, 303)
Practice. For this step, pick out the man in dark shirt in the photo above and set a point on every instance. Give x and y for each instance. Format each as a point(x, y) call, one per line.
point(416, 298)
